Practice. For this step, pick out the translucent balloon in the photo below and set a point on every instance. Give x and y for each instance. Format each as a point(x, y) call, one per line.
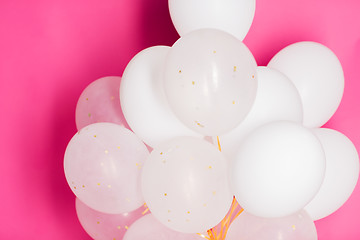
point(102, 226)
point(317, 74)
point(341, 175)
point(298, 226)
point(143, 99)
point(102, 167)
point(277, 99)
point(99, 102)
point(232, 16)
point(278, 170)
point(185, 184)
point(210, 81)
point(149, 228)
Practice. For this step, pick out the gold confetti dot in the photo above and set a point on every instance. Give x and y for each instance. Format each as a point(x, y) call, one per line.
point(109, 186)
point(179, 71)
point(214, 51)
point(293, 227)
point(253, 76)
point(118, 147)
point(74, 187)
point(126, 227)
point(210, 167)
point(204, 204)
point(83, 186)
point(89, 114)
point(94, 135)
point(106, 151)
point(98, 184)
point(169, 211)
point(214, 192)
point(199, 124)
point(165, 194)
point(161, 153)
point(118, 227)
point(169, 220)
point(193, 83)
point(234, 68)
point(114, 238)
point(188, 212)
point(87, 99)
point(138, 165)
point(98, 222)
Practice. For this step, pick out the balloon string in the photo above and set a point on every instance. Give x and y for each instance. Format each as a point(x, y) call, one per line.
point(213, 233)
point(146, 210)
point(218, 141)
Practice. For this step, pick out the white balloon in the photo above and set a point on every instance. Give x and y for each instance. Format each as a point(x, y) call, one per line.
point(317, 74)
point(185, 184)
point(232, 16)
point(341, 175)
point(278, 170)
point(276, 99)
point(210, 81)
point(143, 100)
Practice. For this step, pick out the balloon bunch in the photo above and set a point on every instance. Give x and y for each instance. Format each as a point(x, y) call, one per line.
point(220, 133)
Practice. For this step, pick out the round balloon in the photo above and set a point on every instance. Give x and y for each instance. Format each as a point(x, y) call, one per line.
point(102, 226)
point(143, 99)
point(317, 74)
point(210, 81)
point(279, 168)
point(102, 167)
point(276, 99)
point(341, 175)
point(99, 102)
point(185, 184)
point(149, 228)
point(298, 226)
point(232, 16)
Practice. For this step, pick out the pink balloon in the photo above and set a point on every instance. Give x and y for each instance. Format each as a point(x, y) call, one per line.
point(148, 228)
point(102, 164)
point(102, 226)
point(99, 102)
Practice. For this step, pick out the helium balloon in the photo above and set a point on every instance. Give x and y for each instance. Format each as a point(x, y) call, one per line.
point(232, 16)
point(102, 226)
point(149, 228)
point(341, 175)
point(210, 81)
point(102, 167)
point(298, 226)
point(143, 99)
point(276, 99)
point(279, 168)
point(185, 184)
point(99, 102)
point(317, 74)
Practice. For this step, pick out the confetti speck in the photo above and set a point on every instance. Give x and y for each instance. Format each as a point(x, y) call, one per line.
point(193, 82)
point(109, 186)
point(179, 71)
point(98, 184)
point(234, 68)
point(94, 135)
point(118, 147)
point(210, 167)
point(293, 227)
point(98, 222)
point(126, 227)
point(233, 102)
point(118, 227)
point(214, 193)
point(87, 99)
point(89, 114)
point(165, 194)
point(106, 151)
point(214, 51)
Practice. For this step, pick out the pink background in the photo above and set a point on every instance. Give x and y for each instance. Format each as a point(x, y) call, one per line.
point(50, 50)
